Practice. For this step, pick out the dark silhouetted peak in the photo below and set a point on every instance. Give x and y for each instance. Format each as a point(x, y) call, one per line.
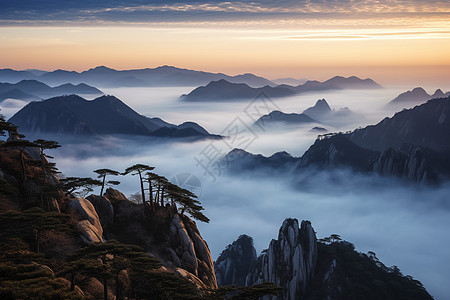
point(236, 262)
point(417, 96)
point(238, 160)
point(318, 111)
point(276, 117)
point(225, 90)
point(438, 94)
point(102, 69)
point(73, 115)
point(427, 125)
point(290, 261)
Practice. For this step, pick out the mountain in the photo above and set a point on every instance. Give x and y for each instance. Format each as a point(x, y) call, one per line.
point(336, 83)
point(236, 262)
point(10, 75)
point(401, 146)
point(238, 160)
point(417, 96)
point(278, 117)
point(319, 113)
point(427, 125)
point(33, 89)
point(107, 77)
point(323, 113)
point(73, 115)
point(224, 90)
point(16, 94)
point(309, 269)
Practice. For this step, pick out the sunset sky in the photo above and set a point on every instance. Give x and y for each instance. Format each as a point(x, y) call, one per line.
point(392, 41)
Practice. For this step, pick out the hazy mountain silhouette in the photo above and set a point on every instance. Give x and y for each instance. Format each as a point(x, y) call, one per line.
point(33, 89)
point(108, 77)
point(224, 90)
point(73, 115)
point(416, 96)
point(278, 117)
point(323, 113)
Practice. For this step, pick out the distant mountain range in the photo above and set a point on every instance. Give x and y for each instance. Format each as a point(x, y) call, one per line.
point(106, 115)
point(33, 90)
point(225, 90)
point(417, 96)
point(413, 144)
point(321, 112)
point(106, 77)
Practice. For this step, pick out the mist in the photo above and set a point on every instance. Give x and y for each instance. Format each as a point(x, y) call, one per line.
point(404, 224)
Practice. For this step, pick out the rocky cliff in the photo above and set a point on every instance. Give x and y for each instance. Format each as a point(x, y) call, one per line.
point(289, 261)
point(309, 269)
point(236, 262)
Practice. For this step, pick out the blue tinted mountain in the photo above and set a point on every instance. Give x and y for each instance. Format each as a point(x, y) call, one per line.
point(417, 96)
point(108, 77)
point(73, 115)
point(228, 91)
point(278, 117)
point(33, 89)
point(323, 113)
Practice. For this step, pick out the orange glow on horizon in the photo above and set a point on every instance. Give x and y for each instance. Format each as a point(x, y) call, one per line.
point(297, 51)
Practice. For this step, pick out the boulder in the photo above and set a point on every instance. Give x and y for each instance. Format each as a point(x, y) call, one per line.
point(104, 209)
point(93, 231)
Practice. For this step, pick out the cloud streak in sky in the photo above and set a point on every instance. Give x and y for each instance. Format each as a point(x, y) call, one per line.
point(133, 12)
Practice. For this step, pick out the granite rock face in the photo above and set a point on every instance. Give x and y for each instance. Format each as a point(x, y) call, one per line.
point(412, 166)
point(90, 227)
point(236, 262)
point(290, 260)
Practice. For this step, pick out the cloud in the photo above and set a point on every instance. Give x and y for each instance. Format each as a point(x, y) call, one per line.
point(132, 12)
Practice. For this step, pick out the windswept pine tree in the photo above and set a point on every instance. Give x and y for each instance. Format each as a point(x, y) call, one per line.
point(139, 169)
point(102, 173)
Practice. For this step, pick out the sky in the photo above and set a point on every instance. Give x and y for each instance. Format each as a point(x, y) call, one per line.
point(391, 41)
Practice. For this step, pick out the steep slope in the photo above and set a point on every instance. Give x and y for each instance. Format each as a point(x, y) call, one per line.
point(73, 115)
point(225, 90)
point(309, 269)
point(427, 125)
point(236, 262)
point(290, 261)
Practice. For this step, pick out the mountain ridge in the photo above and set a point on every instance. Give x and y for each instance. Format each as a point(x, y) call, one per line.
point(105, 115)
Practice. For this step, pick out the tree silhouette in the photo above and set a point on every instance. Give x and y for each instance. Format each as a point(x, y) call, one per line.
point(139, 169)
point(335, 238)
point(102, 173)
point(70, 184)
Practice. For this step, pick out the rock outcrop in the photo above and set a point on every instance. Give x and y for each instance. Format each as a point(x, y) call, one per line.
point(412, 166)
point(90, 227)
point(290, 260)
point(173, 238)
point(104, 209)
point(236, 262)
